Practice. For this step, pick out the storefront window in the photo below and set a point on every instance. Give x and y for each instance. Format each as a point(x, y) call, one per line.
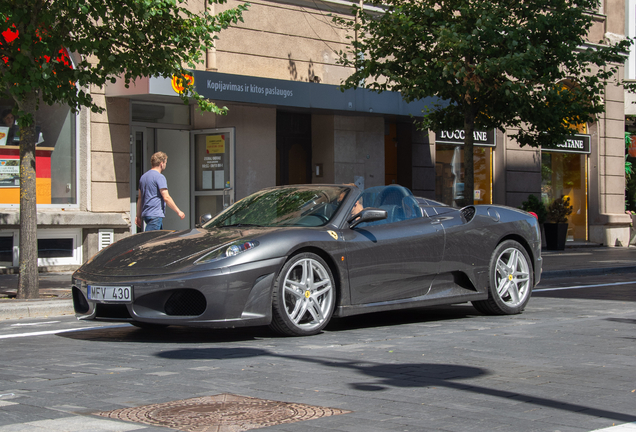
point(564, 174)
point(55, 156)
point(449, 174)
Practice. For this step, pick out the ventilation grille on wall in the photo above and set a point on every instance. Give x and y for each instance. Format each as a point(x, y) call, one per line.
point(106, 238)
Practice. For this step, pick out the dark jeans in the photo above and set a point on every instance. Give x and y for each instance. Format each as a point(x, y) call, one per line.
point(153, 223)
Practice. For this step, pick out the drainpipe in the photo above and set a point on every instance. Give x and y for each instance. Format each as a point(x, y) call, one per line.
point(210, 53)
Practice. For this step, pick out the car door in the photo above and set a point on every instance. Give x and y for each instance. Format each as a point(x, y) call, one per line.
point(393, 261)
point(470, 240)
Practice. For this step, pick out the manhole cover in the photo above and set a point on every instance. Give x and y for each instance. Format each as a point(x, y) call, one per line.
point(221, 413)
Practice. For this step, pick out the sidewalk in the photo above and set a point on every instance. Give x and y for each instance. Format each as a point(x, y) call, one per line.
point(56, 298)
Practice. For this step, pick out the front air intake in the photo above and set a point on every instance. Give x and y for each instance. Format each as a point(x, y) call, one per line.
point(111, 311)
point(186, 302)
point(80, 304)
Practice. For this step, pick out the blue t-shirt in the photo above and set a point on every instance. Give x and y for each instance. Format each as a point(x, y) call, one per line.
point(150, 185)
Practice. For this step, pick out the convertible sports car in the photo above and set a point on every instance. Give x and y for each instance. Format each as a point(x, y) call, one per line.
point(293, 257)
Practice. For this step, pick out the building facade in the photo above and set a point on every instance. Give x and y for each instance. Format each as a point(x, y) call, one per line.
point(288, 122)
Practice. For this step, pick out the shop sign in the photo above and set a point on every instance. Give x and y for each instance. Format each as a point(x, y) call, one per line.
point(481, 138)
point(9, 173)
point(177, 83)
point(573, 144)
point(215, 144)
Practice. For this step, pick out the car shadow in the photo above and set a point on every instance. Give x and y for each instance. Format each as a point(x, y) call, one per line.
point(377, 376)
point(176, 334)
point(407, 316)
point(172, 334)
point(622, 320)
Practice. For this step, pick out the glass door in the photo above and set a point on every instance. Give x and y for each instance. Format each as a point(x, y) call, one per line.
point(212, 171)
point(565, 174)
point(142, 146)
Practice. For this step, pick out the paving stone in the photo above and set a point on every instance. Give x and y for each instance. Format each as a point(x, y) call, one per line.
point(543, 376)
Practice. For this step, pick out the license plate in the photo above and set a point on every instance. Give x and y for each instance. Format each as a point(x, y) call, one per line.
point(110, 293)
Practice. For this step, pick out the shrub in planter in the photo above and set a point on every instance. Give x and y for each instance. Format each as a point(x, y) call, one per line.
point(559, 210)
point(535, 205)
point(557, 230)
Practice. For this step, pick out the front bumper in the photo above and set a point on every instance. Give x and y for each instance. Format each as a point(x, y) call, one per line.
point(225, 297)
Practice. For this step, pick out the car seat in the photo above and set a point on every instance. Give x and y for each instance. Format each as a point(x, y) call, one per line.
point(392, 195)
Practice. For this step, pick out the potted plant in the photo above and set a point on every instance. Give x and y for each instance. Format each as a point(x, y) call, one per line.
point(556, 230)
point(535, 206)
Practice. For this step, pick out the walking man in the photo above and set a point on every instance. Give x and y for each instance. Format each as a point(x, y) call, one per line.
point(153, 195)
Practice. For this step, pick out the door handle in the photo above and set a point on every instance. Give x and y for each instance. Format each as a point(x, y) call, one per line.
point(439, 220)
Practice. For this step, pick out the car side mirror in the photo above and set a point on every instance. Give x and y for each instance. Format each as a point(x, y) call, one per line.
point(367, 215)
point(204, 219)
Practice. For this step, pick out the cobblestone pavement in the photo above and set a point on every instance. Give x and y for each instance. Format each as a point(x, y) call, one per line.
point(566, 364)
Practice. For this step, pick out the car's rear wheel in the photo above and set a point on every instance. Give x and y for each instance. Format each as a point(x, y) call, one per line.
point(304, 296)
point(511, 280)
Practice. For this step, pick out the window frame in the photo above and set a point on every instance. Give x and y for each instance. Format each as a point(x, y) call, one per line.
point(76, 205)
point(47, 233)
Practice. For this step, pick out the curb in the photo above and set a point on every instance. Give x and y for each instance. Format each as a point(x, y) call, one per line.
point(36, 309)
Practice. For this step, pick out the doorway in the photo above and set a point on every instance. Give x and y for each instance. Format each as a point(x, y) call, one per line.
point(398, 154)
point(293, 148)
point(175, 143)
point(564, 174)
point(142, 146)
point(212, 171)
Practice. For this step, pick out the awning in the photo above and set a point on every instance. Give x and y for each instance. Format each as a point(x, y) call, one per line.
point(221, 88)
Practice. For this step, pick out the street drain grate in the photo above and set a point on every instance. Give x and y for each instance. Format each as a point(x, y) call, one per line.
point(221, 413)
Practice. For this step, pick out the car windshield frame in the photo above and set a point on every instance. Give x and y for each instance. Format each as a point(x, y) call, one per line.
point(284, 206)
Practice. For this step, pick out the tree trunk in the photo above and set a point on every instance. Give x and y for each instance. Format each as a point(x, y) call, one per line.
point(28, 284)
point(469, 168)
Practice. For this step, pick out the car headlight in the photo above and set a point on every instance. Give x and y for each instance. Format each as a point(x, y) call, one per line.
point(228, 250)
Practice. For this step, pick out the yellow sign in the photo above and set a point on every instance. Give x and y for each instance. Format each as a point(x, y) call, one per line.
point(177, 83)
point(333, 234)
point(214, 144)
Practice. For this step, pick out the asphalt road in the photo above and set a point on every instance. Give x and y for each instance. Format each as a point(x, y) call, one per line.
point(566, 364)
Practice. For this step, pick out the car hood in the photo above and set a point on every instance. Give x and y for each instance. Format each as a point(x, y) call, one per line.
point(166, 251)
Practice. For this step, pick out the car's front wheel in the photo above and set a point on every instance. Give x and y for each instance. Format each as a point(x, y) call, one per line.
point(511, 280)
point(304, 296)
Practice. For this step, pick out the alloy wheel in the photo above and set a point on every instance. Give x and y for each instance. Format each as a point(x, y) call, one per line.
point(308, 294)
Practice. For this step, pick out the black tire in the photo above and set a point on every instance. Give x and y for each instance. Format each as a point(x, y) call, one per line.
point(304, 296)
point(511, 280)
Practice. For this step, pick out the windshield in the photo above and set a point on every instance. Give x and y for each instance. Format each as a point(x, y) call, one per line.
point(284, 206)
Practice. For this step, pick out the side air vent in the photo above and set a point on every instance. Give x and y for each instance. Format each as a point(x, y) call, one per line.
point(187, 302)
point(468, 213)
